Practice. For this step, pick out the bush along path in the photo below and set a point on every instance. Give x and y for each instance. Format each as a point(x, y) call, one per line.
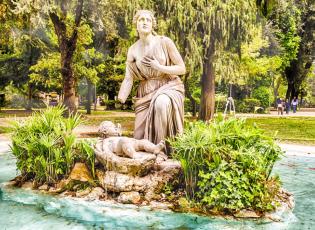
point(226, 166)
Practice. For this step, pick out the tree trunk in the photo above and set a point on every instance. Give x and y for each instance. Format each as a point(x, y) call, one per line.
point(68, 82)
point(89, 97)
point(29, 97)
point(290, 91)
point(207, 102)
point(67, 46)
point(293, 73)
point(94, 97)
point(275, 85)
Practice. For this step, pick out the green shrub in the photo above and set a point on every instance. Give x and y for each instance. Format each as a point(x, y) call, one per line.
point(110, 104)
point(197, 95)
point(247, 105)
point(187, 105)
point(227, 165)
point(45, 147)
point(263, 95)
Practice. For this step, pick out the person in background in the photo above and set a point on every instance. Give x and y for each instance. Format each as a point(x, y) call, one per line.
point(287, 106)
point(294, 104)
point(279, 106)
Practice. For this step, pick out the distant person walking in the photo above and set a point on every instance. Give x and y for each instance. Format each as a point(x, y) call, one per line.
point(280, 106)
point(287, 106)
point(294, 104)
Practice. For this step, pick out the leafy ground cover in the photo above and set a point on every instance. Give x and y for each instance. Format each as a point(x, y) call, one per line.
point(227, 165)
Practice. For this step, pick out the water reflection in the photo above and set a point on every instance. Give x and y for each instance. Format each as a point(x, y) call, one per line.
point(33, 210)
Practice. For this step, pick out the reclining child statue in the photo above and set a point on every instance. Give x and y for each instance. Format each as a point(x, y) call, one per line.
point(124, 154)
point(125, 146)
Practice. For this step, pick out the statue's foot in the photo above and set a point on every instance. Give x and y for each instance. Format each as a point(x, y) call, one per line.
point(160, 147)
point(161, 144)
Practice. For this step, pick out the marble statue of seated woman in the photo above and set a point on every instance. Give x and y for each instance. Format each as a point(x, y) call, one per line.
point(156, 63)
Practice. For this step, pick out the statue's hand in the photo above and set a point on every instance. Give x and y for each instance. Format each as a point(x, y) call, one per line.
point(151, 63)
point(121, 100)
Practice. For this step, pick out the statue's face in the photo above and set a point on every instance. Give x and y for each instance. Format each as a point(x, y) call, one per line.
point(113, 131)
point(144, 23)
point(108, 129)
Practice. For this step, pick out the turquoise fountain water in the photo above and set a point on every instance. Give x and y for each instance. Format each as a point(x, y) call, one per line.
point(22, 209)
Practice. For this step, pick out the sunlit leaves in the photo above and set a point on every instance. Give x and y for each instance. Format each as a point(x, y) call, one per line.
point(47, 70)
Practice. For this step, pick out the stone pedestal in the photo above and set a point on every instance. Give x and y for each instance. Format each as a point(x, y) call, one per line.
point(137, 178)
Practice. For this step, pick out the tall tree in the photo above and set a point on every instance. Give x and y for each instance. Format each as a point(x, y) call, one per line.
point(67, 39)
point(295, 22)
point(67, 17)
point(66, 28)
point(299, 68)
point(19, 49)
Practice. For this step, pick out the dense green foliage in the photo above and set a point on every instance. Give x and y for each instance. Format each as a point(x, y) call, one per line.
point(247, 105)
point(225, 41)
point(263, 95)
point(227, 165)
point(295, 31)
point(45, 147)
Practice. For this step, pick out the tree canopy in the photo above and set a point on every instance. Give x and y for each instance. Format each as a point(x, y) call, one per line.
point(229, 47)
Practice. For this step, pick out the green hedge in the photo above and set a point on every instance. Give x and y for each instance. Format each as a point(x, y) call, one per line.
point(247, 105)
point(263, 95)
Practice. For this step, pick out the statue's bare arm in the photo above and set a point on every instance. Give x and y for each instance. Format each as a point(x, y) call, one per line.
point(126, 85)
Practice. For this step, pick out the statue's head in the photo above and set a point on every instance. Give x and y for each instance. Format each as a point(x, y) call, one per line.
point(109, 129)
point(145, 21)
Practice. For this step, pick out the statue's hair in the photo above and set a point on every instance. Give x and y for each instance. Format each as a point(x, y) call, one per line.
point(105, 131)
point(139, 12)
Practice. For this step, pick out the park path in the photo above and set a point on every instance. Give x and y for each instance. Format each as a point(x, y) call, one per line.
point(298, 150)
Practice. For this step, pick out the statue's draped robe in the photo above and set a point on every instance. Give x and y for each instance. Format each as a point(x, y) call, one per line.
point(153, 84)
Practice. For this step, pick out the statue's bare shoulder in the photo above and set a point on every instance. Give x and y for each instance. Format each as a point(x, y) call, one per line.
point(168, 42)
point(131, 55)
